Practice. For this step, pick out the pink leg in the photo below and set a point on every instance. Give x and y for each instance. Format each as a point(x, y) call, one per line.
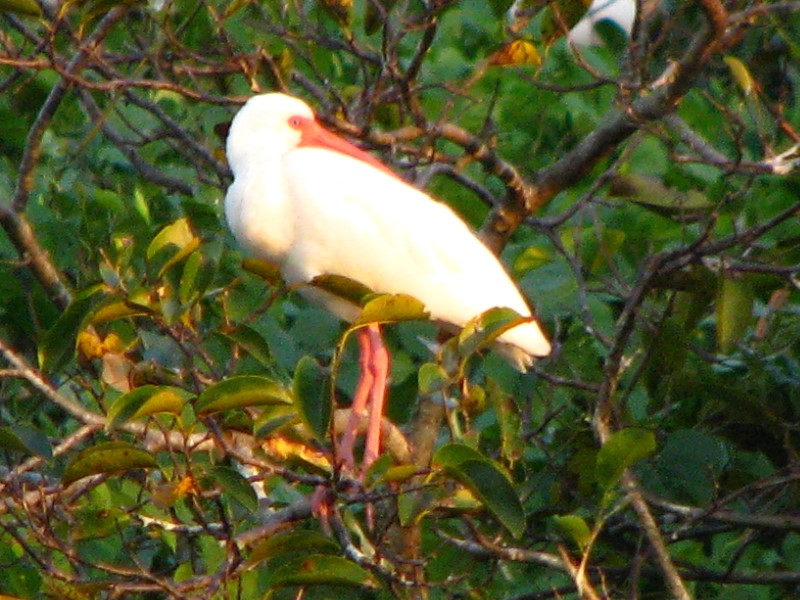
point(362, 394)
point(379, 365)
point(369, 397)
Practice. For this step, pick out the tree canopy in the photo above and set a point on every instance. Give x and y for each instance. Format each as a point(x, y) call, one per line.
point(168, 406)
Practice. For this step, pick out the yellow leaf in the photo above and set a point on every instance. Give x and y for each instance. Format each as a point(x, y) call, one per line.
point(164, 496)
point(90, 346)
point(285, 449)
point(741, 74)
point(516, 52)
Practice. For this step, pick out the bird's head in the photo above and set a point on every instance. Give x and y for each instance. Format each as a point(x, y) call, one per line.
point(269, 123)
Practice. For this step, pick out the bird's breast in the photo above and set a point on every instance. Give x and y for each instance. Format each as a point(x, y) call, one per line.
point(259, 213)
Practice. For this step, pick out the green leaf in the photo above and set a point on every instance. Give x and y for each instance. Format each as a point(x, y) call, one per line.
point(494, 490)
point(342, 287)
point(559, 16)
point(623, 448)
point(107, 457)
point(668, 351)
point(177, 235)
point(689, 466)
point(734, 312)
point(452, 455)
point(145, 401)
point(234, 484)
point(508, 418)
point(530, 259)
point(292, 542)
point(484, 329)
point(655, 196)
point(391, 308)
point(311, 396)
point(198, 272)
point(251, 342)
point(240, 392)
point(610, 242)
point(398, 473)
point(373, 16)
point(741, 74)
point(573, 527)
point(27, 439)
point(21, 7)
point(269, 272)
point(113, 310)
point(432, 378)
point(487, 482)
point(58, 346)
point(321, 569)
point(273, 418)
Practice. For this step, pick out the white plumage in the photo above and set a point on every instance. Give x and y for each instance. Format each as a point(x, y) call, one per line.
point(314, 204)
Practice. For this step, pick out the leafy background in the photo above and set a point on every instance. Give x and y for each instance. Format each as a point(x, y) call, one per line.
point(165, 406)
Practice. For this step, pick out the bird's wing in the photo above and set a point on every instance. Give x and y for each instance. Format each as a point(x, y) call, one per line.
point(354, 220)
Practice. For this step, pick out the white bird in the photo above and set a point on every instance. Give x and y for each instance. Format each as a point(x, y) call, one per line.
point(314, 204)
point(621, 13)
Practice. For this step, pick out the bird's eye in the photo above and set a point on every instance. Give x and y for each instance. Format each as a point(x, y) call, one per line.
point(295, 122)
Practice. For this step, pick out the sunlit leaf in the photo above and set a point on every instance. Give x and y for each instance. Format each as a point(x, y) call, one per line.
point(240, 392)
point(167, 494)
point(484, 329)
point(398, 474)
point(294, 452)
point(741, 74)
point(321, 569)
point(391, 308)
point(342, 287)
point(623, 449)
point(145, 401)
point(178, 234)
point(21, 7)
point(107, 457)
point(177, 238)
point(312, 396)
point(114, 309)
point(516, 52)
point(269, 272)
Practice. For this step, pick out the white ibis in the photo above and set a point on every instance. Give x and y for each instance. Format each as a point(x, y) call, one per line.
point(314, 204)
